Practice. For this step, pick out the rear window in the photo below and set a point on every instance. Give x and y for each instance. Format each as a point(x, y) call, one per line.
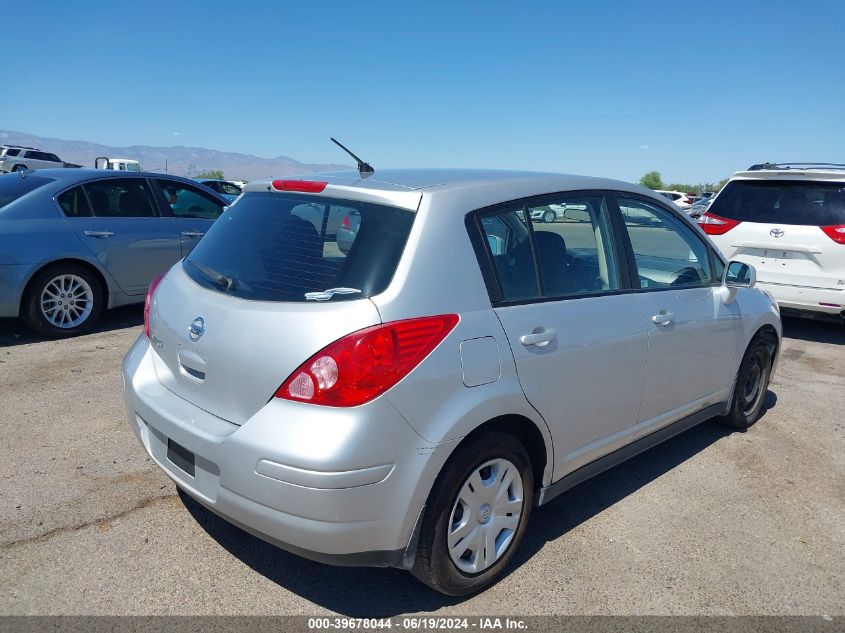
point(295, 247)
point(13, 186)
point(782, 202)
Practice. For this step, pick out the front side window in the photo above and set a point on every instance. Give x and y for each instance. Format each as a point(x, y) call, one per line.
point(121, 198)
point(667, 252)
point(186, 201)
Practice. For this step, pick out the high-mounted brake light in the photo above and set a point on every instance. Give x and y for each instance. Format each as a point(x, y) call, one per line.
point(715, 224)
point(304, 186)
point(363, 365)
point(836, 233)
point(148, 302)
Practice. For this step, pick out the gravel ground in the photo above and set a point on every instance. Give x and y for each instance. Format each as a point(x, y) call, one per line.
point(709, 523)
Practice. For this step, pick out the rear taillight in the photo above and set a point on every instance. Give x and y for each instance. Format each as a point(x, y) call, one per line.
point(346, 224)
point(148, 302)
point(363, 365)
point(716, 225)
point(836, 233)
point(305, 186)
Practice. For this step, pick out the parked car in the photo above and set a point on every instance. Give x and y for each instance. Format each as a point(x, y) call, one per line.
point(698, 207)
point(118, 164)
point(408, 404)
point(16, 158)
point(75, 242)
point(788, 220)
point(226, 188)
point(549, 213)
point(678, 197)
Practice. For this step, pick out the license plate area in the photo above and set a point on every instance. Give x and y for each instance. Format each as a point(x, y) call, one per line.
point(181, 457)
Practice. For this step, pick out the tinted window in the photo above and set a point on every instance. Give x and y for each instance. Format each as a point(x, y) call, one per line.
point(74, 203)
point(121, 198)
point(186, 201)
point(12, 186)
point(668, 253)
point(507, 236)
point(228, 188)
point(52, 157)
point(575, 249)
point(11, 152)
point(261, 249)
point(782, 202)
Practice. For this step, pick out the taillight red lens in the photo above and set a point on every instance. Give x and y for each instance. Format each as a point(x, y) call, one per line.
point(148, 301)
point(716, 225)
point(346, 224)
point(305, 186)
point(363, 365)
point(836, 233)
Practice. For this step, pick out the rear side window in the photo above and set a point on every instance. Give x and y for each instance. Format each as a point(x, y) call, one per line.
point(121, 198)
point(74, 203)
point(12, 186)
point(782, 202)
point(285, 247)
point(11, 152)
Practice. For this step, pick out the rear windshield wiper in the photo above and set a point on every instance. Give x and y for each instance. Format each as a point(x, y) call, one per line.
point(224, 282)
point(325, 295)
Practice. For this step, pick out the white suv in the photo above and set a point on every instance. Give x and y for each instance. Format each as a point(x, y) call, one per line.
point(788, 220)
point(21, 158)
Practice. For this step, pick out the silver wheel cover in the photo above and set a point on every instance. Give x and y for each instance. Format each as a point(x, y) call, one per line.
point(67, 301)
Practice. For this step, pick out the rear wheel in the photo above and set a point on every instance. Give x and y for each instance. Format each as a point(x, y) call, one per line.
point(63, 300)
point(549, 217)
point(752, 382)
point(476, 515)
point(19, 168)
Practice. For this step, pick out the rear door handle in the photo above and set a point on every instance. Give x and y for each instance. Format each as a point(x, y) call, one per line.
point(192, 233)
point(100, 234)
point(664, 318)
point(538, 338)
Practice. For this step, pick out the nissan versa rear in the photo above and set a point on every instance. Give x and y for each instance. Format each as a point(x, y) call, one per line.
point(405, 398)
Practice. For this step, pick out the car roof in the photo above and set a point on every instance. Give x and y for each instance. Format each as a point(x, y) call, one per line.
point(808, 173)
point(431, 180)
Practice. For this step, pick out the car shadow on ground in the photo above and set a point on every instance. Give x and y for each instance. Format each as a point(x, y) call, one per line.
point(13, 332)
point(367, 592)
point(817, 331)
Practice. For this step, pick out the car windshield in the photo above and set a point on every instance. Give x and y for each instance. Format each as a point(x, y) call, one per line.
point(800, 202)
point(14, 186)
point(296, 248)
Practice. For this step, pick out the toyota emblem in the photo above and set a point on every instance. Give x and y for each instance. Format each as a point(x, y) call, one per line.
point(776, 232)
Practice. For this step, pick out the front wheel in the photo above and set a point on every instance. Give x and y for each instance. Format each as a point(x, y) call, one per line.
point(752, 382)
point(476, 515)
point(549, 217)
point(62, 301)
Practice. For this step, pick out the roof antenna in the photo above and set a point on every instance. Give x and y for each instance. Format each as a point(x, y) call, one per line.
point(363, 168)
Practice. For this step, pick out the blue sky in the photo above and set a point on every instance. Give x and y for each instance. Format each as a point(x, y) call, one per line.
point(694, 90)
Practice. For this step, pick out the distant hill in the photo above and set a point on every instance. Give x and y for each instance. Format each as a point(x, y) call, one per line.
point(182, 161)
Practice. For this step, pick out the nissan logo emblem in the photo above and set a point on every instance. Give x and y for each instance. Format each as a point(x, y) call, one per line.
point(197, 328)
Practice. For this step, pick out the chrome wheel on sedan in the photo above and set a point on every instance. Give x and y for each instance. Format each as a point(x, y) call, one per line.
point(485, 516)
point(67, 301)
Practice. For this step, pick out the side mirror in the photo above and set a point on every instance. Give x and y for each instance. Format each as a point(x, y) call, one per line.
point(740, 275)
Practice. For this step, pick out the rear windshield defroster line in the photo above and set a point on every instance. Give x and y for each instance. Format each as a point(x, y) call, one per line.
point(281, 247)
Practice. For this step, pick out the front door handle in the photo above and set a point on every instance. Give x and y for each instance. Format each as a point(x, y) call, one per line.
point(539, 339)
point(192, 233)
point(100, 234)
point(664, 318)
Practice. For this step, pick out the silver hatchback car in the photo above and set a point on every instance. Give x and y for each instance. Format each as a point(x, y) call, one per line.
point(407, 400)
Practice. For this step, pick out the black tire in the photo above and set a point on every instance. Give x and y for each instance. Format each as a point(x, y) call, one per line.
point(32, 315)
point(433, 565)
point(19, 168)
point(549, 217)
point(752, 382)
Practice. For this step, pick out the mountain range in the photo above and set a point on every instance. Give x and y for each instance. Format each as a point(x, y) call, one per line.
point(179, 160)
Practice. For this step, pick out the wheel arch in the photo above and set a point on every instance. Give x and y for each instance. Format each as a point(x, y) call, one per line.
point(98, 274)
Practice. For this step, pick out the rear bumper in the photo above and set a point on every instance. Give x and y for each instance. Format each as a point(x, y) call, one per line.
point(342, 486)
point(805, 299)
